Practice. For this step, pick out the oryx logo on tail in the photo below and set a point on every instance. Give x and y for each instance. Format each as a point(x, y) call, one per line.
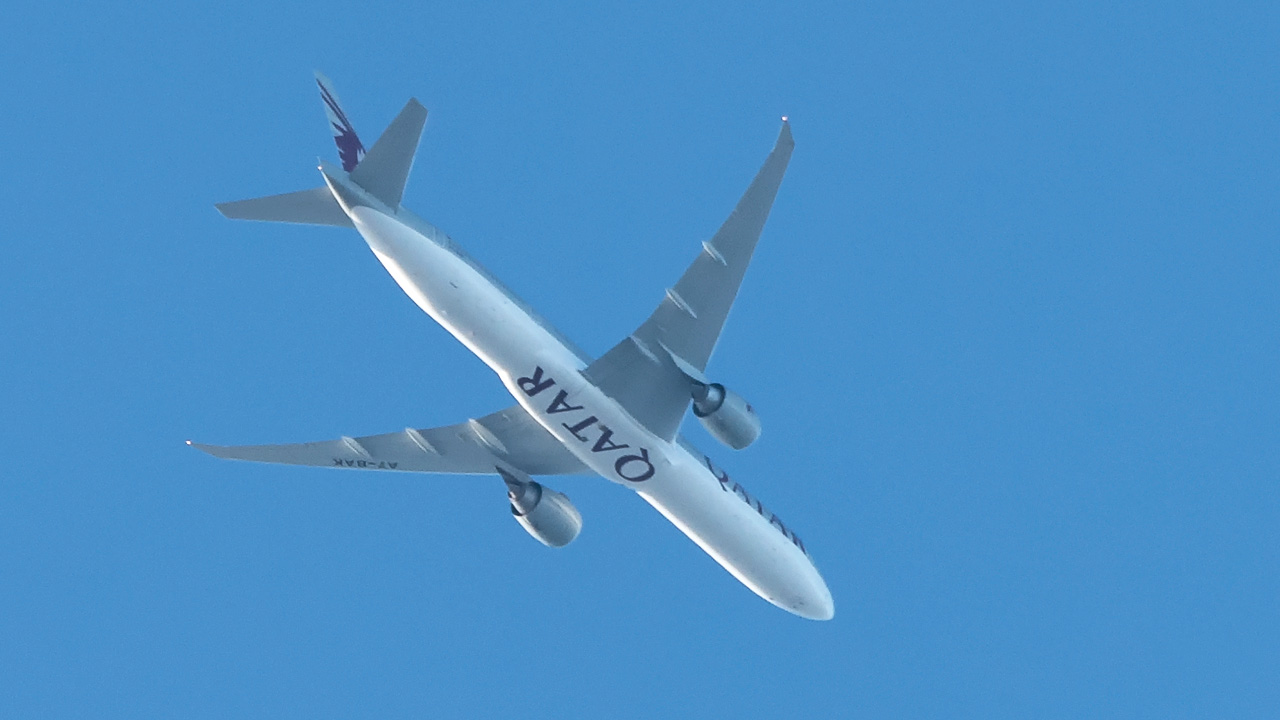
point(350, 149)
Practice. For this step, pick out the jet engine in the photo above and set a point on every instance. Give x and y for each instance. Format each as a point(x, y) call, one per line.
point(542, 512)
point(725, 414)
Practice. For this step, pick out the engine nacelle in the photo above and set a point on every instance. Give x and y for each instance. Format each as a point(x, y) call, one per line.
point(542, 512)
point(726, 415)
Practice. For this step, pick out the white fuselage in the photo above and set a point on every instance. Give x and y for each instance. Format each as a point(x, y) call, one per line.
point(545, 377)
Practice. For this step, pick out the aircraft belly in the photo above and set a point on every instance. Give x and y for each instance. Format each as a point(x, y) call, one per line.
point(455, 295)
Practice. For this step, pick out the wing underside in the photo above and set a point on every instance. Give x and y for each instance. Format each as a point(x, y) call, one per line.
point(508, 438)
point(648, 373)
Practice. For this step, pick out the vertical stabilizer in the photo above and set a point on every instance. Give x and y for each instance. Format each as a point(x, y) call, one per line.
point(385, 169)
point(350, 149)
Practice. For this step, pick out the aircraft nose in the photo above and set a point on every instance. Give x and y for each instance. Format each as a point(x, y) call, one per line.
point(817, 604)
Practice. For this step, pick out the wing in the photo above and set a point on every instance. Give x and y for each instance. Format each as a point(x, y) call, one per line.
point(649, 372)
point(508, 437)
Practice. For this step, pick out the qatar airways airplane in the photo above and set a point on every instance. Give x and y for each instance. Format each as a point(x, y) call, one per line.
point(617, 416)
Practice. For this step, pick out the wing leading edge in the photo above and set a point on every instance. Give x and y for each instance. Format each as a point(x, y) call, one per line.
point(508, 438)
point(648, 372)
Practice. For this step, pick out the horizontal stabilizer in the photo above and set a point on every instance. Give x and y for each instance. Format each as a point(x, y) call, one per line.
point(385, 168)
point(311, 207)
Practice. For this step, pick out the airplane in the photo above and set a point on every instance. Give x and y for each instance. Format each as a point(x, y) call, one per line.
point(617, 416)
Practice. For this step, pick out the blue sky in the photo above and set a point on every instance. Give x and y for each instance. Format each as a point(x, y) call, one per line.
point(1011, 328)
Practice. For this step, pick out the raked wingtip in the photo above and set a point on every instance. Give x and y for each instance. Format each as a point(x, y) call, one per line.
point(784, 135)
point(206, 449)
